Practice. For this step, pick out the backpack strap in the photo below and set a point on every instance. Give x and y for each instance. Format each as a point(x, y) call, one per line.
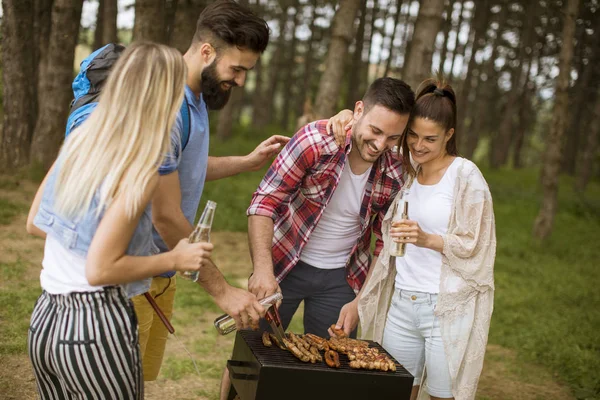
point(185, 117)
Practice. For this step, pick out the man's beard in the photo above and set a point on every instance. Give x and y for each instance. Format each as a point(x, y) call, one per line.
point(361, 145)
point(214, 97)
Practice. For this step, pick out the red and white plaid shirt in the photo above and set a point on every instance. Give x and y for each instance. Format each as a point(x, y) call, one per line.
point(298, 186)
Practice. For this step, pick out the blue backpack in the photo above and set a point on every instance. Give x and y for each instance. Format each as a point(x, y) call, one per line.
point(89, 82)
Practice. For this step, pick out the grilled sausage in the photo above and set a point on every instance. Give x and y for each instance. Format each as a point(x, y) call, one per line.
point(266, 339)
point(276, 341)
point(337, 332)
point(315, 352)
point(295, 351)
point(317, 340)
point(332, 359)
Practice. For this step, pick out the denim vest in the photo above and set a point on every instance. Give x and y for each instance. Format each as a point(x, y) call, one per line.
point(77, 235)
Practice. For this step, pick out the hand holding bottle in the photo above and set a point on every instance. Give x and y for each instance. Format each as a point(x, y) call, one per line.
point(241, 306)
point(398, 248)
point(407, 231)
point(201, 234)
point(191, 257)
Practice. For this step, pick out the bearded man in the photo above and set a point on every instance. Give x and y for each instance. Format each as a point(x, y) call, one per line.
point(228, 41)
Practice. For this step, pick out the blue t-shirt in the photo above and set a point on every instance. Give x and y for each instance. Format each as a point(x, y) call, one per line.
point(191, 163)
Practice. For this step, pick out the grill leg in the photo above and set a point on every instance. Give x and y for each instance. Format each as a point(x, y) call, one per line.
point(232, 394)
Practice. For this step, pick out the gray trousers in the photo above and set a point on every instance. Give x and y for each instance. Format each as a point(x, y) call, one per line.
point(324, 292)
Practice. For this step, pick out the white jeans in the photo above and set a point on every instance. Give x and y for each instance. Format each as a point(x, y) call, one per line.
point(412, 335)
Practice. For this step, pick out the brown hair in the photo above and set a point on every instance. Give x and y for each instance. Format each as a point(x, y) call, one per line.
point(435, 101)
point(228, 23)
point(391, 93)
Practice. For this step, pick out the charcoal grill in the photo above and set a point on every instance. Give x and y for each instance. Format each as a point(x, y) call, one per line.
point(269, 373)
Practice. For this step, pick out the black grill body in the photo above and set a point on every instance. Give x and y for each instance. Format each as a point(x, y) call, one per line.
point(269, 373)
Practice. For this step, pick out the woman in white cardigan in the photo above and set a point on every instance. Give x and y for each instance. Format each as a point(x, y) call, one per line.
point(431, 308)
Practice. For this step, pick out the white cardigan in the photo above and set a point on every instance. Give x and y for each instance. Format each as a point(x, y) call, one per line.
point(468, 254)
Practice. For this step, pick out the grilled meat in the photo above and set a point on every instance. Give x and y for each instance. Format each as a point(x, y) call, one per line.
point(266, 339)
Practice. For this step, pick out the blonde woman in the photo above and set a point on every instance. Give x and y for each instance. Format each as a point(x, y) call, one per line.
point(431, 308)
point(92, 208)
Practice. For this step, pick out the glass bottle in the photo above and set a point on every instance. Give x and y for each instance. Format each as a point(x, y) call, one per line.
point(226, 324)
point(201, 234)
point(401, 212)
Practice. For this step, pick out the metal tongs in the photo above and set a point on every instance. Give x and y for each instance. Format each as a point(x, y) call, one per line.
point(274, 320)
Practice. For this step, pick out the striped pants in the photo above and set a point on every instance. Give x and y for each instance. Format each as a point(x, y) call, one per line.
point(85, 346)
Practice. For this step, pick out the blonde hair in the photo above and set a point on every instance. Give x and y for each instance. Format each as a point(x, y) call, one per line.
point(118, 149)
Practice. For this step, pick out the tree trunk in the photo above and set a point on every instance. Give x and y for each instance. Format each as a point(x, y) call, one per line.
point(551, 168)
point(446, 32)
point(502, 143)
point(307, 87)
point(342, 34)
point(55, 84)
point(583, 90)
point(41, 26)
point(184, 25)
point(383, 33)
point(109, 22)
point(585, 168)
point(354, 79)
point(171, 7)
point(288, 76)
point(264, 104)
point(461, 12)
point(98, 32)
point(408, 27)
point(365, 76)
point(485, 99)
point(526, 117)
point(388, 63)
point(462, 48)
point(18, 70)
point(418, 62)
point(150, 21)
point(480, 21)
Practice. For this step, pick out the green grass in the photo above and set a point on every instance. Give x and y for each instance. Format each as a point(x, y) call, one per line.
point(17, 297)
point(9, 210)
point(547, 301)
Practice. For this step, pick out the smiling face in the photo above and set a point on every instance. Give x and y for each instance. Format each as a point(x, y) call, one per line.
point(426, 140)
point(376, 131)
point(225, 71)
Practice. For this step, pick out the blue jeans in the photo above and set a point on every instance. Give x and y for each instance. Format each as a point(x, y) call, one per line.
point(412, 335)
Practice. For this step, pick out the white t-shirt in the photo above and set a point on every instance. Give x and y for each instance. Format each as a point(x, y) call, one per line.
point(332, 240)
point(430, 205)
point(63, 271)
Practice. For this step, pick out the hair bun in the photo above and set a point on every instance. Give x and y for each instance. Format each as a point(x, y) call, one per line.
point(438, 92)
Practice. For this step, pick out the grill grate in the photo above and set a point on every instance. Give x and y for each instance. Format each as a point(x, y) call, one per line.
point(276, 357)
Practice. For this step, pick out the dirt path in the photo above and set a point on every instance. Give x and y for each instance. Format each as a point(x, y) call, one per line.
point(505, 377)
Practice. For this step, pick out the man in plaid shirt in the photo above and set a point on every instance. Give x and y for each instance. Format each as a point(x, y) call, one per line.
point(311, 218)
